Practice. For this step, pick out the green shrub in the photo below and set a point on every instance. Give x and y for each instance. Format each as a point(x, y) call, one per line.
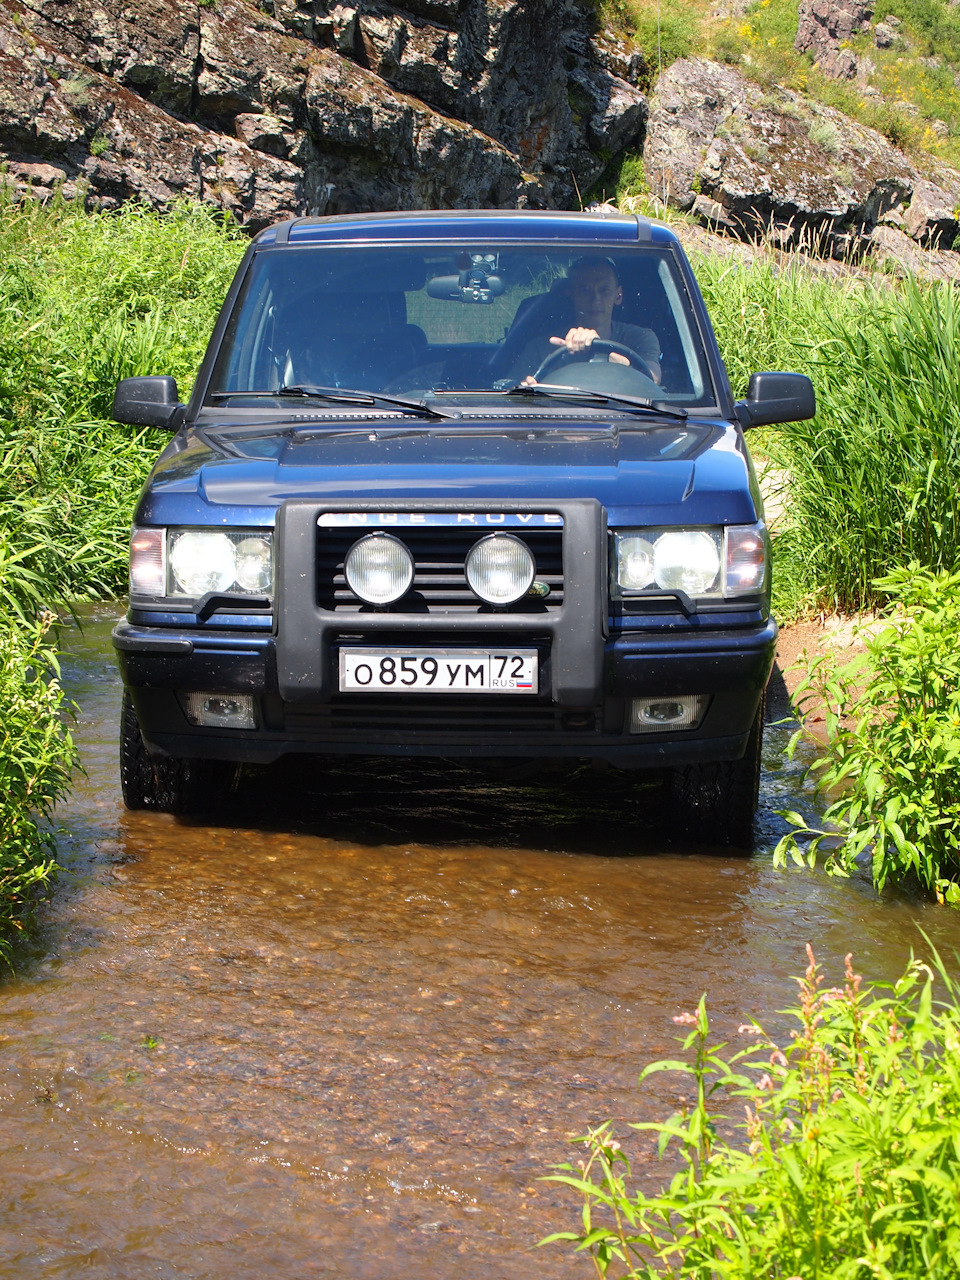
point(893, 744)
point(847, 1168)
point(36, 756)
point(824, 134)
point(631, 179)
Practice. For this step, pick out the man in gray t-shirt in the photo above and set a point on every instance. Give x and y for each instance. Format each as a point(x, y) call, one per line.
point(594, 291)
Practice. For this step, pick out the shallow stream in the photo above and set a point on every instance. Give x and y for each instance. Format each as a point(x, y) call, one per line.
point(346, 1029)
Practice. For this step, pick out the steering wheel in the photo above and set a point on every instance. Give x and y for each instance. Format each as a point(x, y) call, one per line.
point(598, 352)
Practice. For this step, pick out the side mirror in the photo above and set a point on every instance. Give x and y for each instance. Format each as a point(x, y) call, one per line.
point(776, 397)
point(148, 402)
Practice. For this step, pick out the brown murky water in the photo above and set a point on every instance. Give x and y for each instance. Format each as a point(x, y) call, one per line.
point(344, 1031)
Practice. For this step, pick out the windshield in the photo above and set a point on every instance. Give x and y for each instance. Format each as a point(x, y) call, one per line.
point(473, 321)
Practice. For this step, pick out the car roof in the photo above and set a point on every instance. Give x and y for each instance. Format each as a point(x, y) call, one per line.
point(600, 227)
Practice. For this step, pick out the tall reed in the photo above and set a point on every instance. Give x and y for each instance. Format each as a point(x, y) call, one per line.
point(872, 481)
point(86, 299)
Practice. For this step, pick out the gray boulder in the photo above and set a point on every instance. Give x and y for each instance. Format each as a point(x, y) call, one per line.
point(931, 216)
point(778, 165)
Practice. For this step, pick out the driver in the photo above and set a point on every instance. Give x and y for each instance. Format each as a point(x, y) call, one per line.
point(595, 290)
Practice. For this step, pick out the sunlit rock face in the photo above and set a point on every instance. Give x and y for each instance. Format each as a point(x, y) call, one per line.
point(825, 26)
point(307, 106)
point(777, 165)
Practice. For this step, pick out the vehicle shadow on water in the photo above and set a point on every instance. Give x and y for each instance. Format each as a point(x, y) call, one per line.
point(569, 806)
point(375, 800)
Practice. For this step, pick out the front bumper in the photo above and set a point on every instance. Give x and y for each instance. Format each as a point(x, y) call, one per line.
point(588, 672)
point(729, 664)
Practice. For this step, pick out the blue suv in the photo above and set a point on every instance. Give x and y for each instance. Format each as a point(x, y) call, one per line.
point(455, 484)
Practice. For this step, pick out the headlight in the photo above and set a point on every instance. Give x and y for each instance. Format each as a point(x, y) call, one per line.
point(379, 569)
point(500, 569)
point(688, 561)
point(193, 562)
point(201, 562)
point(720, 563)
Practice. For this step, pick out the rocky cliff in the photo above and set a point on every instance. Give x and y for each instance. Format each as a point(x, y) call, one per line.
point(309, 106)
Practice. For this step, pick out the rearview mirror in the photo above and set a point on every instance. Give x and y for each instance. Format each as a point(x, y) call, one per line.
point(148, 402)
point(776, 397)
point(468, 286)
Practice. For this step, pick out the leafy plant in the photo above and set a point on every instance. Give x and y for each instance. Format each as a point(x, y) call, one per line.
point(893, 744)
point(846, 1169)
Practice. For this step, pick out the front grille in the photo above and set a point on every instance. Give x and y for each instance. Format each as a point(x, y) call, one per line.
point(439, 584)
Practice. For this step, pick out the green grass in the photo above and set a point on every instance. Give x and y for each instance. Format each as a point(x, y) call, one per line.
point(36, 758)
point(874, 479)
point(85, 299)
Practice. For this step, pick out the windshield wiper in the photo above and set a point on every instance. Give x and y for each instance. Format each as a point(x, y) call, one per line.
point(340, 395)
point(558, 392)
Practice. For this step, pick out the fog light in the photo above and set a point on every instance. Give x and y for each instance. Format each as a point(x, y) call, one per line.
point(221, 710)
point(500, 569)
point(666, 715)
point(379, 569)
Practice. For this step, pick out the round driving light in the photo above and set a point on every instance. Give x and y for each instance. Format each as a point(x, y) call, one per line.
point(202, 562)
point(500, 569)
point(687, 561)
point(253, 564)
point(378, 569)
point(634, 563)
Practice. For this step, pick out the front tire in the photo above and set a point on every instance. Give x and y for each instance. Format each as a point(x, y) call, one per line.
point(717, 802)
point(166, 784)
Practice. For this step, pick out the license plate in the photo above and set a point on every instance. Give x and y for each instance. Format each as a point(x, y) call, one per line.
point(438, 670)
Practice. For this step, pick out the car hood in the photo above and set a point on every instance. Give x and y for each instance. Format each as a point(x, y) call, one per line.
point(665, 473)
